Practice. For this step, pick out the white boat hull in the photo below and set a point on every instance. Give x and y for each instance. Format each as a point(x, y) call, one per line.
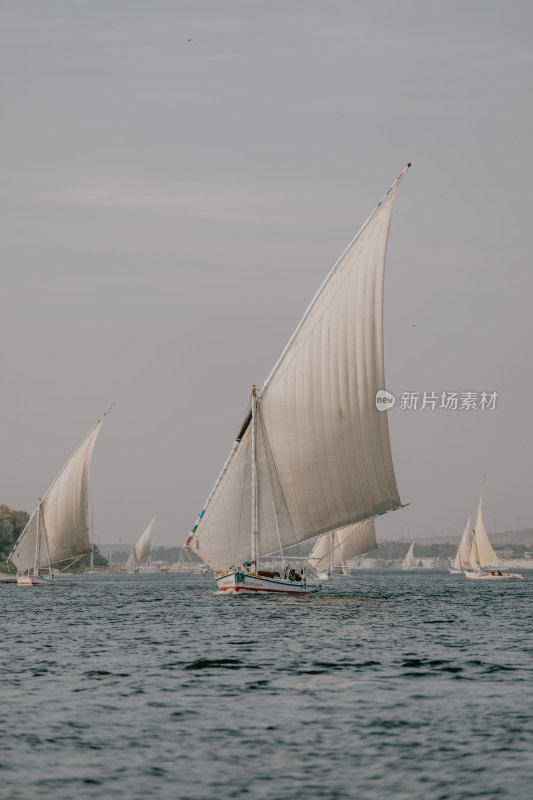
point(493, 576)
point(454, 571)
point(235, 582)
point(329, 575)
point(34, 580)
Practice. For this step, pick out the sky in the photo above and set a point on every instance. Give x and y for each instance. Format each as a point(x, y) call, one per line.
point(177, 180)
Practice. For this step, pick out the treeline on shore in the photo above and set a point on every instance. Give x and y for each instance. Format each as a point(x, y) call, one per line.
point(12, 523)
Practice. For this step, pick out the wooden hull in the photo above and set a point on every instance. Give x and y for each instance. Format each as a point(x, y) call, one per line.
point(241, 581)
point(34, 580)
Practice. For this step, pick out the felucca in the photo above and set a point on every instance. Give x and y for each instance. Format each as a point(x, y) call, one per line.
point(58, 530)
point(313, 453)
point(332, 550)
point(142, 550)
point(482, 554)
point(462, 557)
point(410, 561)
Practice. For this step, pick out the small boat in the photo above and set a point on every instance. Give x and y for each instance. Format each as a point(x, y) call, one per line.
point(35, 578)
point(462, 557)
point(410, 561)
point(57, 531)
point(340, 546)
point(142, 551)
point(482, 554)
point(313, 453)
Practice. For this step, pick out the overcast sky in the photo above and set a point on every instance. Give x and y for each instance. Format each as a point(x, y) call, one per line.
point(169, 207)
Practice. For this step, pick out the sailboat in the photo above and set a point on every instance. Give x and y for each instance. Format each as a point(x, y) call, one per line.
point(462, 557)
point(482, 554)
point(142, 551)
point(410, 561)
point(58, 529)
point(313, 453)
point(332, 550)
point(186, 564)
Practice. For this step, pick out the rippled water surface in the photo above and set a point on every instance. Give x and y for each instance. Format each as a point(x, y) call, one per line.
point(385, 685)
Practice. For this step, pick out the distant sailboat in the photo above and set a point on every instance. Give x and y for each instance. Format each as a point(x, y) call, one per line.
point(58, 529)
point(333, 550)
point(142, 550)
point(462, 557)
point(410, 561)
point(482, 554)
point(313, 453)
point(186, 564)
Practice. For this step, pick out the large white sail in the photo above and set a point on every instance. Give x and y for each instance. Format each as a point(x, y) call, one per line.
point(462, 557)
point(142, 548)
point(62, 518)
point(410, 561)
point(341, 546)
point(323, 451)
point(482, 553)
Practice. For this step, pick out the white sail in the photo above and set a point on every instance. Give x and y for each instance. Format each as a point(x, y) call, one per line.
point(354, 540)
point(62, 519)
point(323, 451)
point(142, 549)
point(462, 557)
point(482, 553)
point(409, 561)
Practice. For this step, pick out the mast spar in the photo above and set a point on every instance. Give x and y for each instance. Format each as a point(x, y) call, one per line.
point(254, 480)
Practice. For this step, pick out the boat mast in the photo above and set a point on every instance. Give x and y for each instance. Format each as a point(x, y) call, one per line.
point(47, 551)
point(332, 559)
point(474, 543)
point(474, 550)
point(36, 558)
point(92, 541)
point(254, 481)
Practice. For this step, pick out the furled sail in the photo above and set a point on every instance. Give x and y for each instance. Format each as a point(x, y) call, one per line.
point(321, 442)
point(410, 561)
point(354, 540)
point(62, 518)
point(482, 553)
point(142, 548)
point(462, 557)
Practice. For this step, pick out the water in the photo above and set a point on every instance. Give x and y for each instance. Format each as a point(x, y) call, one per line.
point(386, 685)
